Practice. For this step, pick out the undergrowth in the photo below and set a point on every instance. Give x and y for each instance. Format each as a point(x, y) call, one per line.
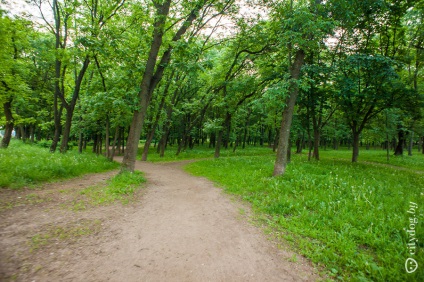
point(25, 165)
point(349, 218)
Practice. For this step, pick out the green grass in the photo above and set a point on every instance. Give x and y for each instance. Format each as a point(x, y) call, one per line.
point(120, 187)
point(202, 152)
point(349, 218)
point(25, 165)
point(414, 162)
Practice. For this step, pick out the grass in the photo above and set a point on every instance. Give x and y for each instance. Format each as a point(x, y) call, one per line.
point(349, 218)
point(414, 162)
point(25, 165)
point(203, 152)
point(121, 187)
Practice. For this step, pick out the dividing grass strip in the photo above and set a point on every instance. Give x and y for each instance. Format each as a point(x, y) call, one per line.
point(121, 187)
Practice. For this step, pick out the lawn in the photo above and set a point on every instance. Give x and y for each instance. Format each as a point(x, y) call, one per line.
point(25, 165)
point(202, 152)
point(351, 219)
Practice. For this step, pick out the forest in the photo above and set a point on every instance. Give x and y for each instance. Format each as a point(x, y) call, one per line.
point(275, 73)
point(147, 79)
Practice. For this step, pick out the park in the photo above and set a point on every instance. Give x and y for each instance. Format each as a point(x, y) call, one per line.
point(211, 140)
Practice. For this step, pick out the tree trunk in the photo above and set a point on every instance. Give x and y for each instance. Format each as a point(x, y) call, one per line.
point(401, 141)
point(317, 137)
point(162, 145)
point(107, 153)
point(236, 143)
point(167, 128)
point(71, 106)
point(94, 150)
point(151, 77)
point(57, 129)
point(114, 144)
point(146, 147)
point(7, 107)
point(274, 148)
point(218, 144)
point(289, 152)
point(80, 142)
point(99, 146)
point(283, 140)
point(299, 143)
point(227, 124)
point(269, 137)
point(57, 82)
point(138, 117)
point(32, 133)
point(411, 143)
point(212, 140)
point(355, 152)
point(22, 132)
point(155, 124)
point(181, 143)
point(66, 130)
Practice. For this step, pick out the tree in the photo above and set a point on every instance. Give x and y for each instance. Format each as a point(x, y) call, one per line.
point(154, 70)
point(367, 85)
point(89, 18)
point(317, 100)
point(303, 26)
point(14, 67)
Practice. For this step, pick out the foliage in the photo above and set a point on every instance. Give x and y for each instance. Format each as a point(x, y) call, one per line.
point(348, 218)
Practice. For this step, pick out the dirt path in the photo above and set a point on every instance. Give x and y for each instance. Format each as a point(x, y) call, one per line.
point(181, 229)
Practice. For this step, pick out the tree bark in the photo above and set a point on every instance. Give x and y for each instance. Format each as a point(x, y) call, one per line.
point(138, 117)
point(151, 78)
point(153, 129)
point(218, 144)
point(401, 141)
point(284, 135)
point(80, 142)
point(58, 78)
point(355, 152)
point(274, 147)
point(70, 107)
point(107, 145)
point(227, 125)
point(114, 144)
point(7, 107)
point(57, 128)
point(411, 143)
point(317, 137)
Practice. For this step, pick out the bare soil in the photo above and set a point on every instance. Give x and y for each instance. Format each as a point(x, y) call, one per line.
point(178, 228)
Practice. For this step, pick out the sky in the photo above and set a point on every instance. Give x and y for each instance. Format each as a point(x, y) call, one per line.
point(15, 7)
point(31, 12)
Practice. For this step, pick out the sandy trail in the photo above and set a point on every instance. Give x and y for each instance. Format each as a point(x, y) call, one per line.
point(182, 229)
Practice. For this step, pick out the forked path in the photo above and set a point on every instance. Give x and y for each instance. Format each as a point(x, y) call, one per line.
point(188, 230)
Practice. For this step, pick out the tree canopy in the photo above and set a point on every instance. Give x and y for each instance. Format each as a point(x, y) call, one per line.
point(225, 73)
